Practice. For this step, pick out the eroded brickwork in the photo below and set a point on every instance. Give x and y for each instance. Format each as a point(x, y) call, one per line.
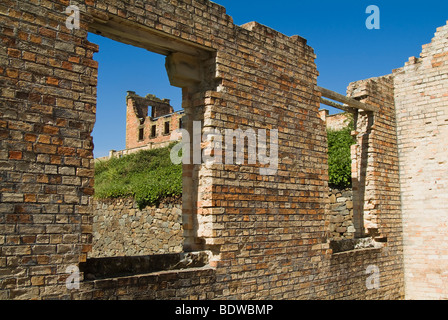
point(48, 90)
point(375, 175)
point(375, 162)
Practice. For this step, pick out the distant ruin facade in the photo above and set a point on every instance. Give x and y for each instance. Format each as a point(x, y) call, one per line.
point(245, 235)
point(150, 123)
point(336, 121)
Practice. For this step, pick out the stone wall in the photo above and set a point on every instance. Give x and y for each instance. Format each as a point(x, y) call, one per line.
point(341, 214)
point(125, 152)
point(421, 95)
point(120, 228)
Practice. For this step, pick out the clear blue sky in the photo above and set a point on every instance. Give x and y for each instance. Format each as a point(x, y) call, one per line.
point(346, 50)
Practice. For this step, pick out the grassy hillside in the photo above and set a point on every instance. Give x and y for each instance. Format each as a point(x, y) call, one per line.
point(149, 176)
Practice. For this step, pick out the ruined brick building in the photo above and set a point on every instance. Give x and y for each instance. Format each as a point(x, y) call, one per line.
point(245, 235)
point(150, 123)
point(143, 128)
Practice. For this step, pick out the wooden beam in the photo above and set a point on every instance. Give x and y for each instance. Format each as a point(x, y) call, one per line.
point(343, 107)
point(350, 102)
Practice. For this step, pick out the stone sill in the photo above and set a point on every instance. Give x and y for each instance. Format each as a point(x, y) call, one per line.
point(142, 278)
point(117, 267)
point(352, 245)
point(148, 279)
point(355, 251)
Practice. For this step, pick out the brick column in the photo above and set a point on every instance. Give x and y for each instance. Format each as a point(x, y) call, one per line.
point(375, 162)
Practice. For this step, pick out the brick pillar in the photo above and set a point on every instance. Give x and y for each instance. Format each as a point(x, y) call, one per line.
point(190, 179)
point(375, 162)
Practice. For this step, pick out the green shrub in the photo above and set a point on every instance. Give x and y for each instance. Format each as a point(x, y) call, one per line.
point(339, 157)
point(149, 176)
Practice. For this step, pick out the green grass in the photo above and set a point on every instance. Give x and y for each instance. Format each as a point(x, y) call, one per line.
point(149, 176)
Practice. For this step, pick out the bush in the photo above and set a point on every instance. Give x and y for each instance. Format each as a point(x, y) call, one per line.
point(339, 157)
point(149, 176)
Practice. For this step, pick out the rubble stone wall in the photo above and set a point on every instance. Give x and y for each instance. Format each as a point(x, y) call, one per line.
point(120, 228)
point(341, 214)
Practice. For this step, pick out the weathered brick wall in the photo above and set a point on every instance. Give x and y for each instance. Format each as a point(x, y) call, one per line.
point(344, 275)
point(268, 234)
point(48, 97)
point(421, 95)
point(120, 228)
point(269, 224)
point(375, 160)
point(162, 137)
point(193, 284)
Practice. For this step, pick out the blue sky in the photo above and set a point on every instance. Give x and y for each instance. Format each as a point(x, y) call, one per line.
point(346, 50)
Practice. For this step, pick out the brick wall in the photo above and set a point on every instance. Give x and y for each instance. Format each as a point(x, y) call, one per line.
point(47, 109)
point(376, 196)
point(268, 235)
point(421, 94)
point(375, 172)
